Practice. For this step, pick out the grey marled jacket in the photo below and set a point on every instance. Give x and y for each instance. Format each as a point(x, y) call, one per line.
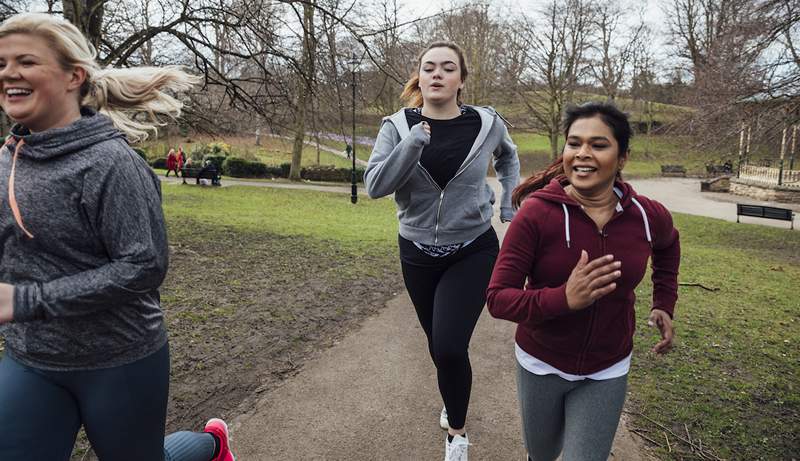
point(463, 209)
point(86, 284)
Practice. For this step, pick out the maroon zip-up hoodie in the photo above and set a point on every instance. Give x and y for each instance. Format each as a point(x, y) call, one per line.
point(543, 244)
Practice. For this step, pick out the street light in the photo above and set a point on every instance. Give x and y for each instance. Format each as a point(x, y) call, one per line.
point(354, 190)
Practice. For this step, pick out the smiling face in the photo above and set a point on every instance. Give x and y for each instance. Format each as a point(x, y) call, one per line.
point(440, 76)
point(35, 90)
point(591, 156)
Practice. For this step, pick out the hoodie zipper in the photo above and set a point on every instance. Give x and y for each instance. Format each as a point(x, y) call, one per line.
point(441, 190)
point(603, 249)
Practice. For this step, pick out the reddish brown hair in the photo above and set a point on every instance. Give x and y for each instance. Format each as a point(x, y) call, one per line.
point(412, 95)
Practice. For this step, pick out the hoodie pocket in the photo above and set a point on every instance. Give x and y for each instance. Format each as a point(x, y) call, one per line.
point(461, 208)
point(417, 206)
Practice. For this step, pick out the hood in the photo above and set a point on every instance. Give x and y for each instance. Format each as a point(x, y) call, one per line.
point(554, 192)
point(92, 128)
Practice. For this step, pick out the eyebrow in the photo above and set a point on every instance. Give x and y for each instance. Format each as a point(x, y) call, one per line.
point(443, 62)
point(593, 138)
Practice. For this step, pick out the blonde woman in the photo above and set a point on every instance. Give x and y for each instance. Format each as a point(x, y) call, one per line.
point(84, 250)
point(433, 156)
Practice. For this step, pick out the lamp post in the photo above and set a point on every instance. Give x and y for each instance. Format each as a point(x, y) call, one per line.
point(354, 189)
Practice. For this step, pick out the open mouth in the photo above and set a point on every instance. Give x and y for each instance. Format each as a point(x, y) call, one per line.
point(584, 169)
point(17, 93)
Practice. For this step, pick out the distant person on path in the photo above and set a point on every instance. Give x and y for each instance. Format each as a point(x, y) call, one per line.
point(434, 157)
point(182, 159)
point(84, 251)
point(172, 163)
point(581, 239)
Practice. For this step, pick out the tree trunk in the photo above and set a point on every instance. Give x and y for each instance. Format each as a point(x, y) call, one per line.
point(87, 15)
point(305, 88)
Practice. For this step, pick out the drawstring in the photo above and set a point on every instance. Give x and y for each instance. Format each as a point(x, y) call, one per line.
point(635, 202)
point(646, 222)
point(12, 198)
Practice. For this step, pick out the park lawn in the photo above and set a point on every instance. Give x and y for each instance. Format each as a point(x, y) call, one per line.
point(733, 378)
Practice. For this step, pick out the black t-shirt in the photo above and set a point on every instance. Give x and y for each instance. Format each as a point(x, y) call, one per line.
point(451, 141)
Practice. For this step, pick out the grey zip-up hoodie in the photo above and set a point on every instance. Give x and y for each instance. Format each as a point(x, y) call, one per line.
point(83, 241)
point(462, 210)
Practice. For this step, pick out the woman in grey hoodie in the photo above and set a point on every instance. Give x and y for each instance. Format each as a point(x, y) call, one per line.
point(83, 250)
point(434, 157)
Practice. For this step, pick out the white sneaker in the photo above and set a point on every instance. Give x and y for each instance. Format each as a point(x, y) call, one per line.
point(443, 423)
point(457, 449)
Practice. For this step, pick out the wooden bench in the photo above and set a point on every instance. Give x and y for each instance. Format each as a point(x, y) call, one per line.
point(767, 212)
point(209, 172)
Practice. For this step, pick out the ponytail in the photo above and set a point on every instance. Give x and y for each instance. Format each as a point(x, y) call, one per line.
point(539, 179)
point(121, 93)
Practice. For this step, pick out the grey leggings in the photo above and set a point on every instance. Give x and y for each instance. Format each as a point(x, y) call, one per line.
point(123, 410)
point(580, 417)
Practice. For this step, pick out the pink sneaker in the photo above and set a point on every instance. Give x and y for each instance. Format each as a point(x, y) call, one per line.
point(219, 429)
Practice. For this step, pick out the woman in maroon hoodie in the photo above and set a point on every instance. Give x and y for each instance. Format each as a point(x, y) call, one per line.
point(581, 238)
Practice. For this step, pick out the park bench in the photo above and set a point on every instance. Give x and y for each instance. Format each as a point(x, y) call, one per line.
point(673, 170)
point(202, 173)
point(767, 212)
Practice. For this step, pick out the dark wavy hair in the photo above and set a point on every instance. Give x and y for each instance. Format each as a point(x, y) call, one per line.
point(611, 116)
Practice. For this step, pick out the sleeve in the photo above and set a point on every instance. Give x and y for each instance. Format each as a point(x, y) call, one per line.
point(506, 165)
point(123, 204)
point(391, 163)
point(507, 297)
point(666, 262)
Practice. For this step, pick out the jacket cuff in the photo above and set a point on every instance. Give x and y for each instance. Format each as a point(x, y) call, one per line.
point(25, 296)
point(554, 301)
point(669, 310)
point(506, 214)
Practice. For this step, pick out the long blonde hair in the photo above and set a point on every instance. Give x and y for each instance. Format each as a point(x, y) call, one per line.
point(412, 94)
point(117, 93)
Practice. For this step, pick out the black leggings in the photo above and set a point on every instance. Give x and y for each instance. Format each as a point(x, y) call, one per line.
point(123, 410)
point(448, 294)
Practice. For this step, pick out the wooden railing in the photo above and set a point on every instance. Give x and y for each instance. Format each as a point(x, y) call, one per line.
point(769, 176)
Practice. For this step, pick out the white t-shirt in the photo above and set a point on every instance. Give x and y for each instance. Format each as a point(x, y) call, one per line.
point(540, 368)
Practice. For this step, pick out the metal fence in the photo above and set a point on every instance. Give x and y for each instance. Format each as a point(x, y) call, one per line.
point(770, 176)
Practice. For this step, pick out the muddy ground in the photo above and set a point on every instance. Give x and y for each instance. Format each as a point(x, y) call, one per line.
point(245, 309)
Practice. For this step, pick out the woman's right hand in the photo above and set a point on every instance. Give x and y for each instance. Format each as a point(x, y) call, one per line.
point(426, 127)
point(590, 281)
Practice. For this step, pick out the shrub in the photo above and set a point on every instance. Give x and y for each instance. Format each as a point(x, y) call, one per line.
point(330, 173)
point(240, 168)
point(160, 163)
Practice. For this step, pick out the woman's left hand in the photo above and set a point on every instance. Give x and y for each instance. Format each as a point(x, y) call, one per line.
point(6, 303)
point(663, 321)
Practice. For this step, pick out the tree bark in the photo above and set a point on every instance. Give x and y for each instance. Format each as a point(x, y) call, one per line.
point(87, 15)
point(305, 89)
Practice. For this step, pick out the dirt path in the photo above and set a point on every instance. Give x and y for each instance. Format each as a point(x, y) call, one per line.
point(373, 396)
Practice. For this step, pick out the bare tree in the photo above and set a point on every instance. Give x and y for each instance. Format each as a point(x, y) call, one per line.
point(554, 45)
point(305, 85)
point(614, 51)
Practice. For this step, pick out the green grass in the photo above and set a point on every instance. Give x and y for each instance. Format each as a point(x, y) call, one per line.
point(369, 227)
point(733, 376)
